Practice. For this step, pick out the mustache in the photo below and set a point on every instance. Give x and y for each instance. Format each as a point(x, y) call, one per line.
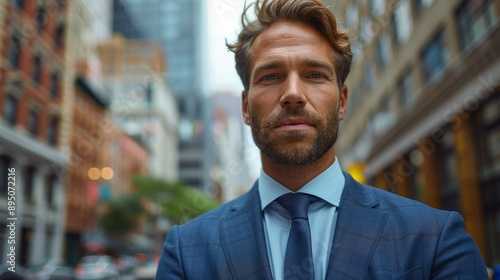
point(298, 113)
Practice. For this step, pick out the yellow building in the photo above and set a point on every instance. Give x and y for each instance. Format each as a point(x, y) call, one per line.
point(424, 105)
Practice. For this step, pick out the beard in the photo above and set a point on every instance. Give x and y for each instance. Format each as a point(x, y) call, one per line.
point(292, 148)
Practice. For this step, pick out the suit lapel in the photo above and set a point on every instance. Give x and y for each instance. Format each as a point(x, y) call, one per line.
point(358, 230)
point(243, 239)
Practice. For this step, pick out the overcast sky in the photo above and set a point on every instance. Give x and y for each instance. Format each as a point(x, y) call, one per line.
point(223, 22)
point(223, 19)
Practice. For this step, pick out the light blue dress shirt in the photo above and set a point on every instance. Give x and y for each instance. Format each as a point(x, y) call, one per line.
point(322, 218)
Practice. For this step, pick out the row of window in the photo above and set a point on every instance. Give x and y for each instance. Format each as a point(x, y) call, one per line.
point(472, 18)
point(33, 126)
point(14, 58)
point(29, 175)
point(434, 57)
point(42, 16)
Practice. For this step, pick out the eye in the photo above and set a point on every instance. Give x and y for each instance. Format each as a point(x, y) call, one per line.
point(269, 78)
point(317, 76)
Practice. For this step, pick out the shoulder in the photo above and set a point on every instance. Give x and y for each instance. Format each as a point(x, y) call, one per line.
point(402, 212)
point(410, 211)
point(209, 222)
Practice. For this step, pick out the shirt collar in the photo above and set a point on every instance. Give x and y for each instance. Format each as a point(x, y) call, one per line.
point(328, 186)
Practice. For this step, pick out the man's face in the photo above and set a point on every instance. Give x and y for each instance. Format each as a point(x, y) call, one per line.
point(293, 104)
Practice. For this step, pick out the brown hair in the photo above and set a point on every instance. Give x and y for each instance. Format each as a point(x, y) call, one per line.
point(312, 12)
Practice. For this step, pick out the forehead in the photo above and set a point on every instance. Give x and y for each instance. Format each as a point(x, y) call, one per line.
point(284, 40)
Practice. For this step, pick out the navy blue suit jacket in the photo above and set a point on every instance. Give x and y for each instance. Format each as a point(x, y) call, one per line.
point(378, 235)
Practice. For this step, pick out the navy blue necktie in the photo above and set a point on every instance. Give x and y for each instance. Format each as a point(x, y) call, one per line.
point(298, 257)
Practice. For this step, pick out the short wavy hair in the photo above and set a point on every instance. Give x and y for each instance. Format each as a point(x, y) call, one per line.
point(311, 12)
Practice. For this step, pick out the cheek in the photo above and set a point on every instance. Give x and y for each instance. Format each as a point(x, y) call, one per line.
point(326, 106)
point(260, 106)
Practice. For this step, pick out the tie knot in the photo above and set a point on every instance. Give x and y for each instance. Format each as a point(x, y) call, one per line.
point(297, 204)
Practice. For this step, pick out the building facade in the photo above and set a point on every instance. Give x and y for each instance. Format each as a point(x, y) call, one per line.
point(423, 114)
point(126, 157)
point(91, 128)
point(230, 170)
point(142, 103)
point(32, 53)
point(176, 26)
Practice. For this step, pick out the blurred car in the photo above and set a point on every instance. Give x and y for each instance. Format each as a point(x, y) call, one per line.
point(52, 270)
point(96, 267)
point(125, 264)
point(145, 271)
point(6, 274)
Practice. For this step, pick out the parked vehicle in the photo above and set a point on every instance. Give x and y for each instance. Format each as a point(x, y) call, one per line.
point(6, 274)
point(125, 264)
point(145, 271)
point(96, 267)
point(52, 270)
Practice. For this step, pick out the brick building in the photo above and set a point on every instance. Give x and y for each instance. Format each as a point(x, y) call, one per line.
point(142, 103)
point(91, 128)
point(32, 49)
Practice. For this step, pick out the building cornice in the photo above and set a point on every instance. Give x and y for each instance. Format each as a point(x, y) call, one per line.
point(20, 145)
point(90, 91)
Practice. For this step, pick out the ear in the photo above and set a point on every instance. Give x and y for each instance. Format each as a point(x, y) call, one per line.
point(244, 107)
point(343, 94)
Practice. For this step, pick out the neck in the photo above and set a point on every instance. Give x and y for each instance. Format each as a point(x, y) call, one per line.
point(295, 177)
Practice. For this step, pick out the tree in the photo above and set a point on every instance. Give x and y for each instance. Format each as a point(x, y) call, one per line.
point(179, 202)
point(122, 214)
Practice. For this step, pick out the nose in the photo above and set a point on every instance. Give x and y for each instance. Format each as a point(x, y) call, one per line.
point(293, 92)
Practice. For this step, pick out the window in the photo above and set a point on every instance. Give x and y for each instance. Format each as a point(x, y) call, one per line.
point(384, 51)
point(448, 171)
point(473, 18)
point(54, 85)
point(5, 164)
point(416, 179)
point(10, 109)
point(60, 4)
point(352, 15)
point(33, 123)
point(369, 76)
point(365, 31)
point(18, 3)
point(434, 58)
point(487, 139)
point(40, 19)
point(29, 182)
point(421, 4)
point(37, 69)
point(488, 134)
point(402, 22)
point(357, 51)
point(52, 132)
point(383, 119)
point(377, 7)
point(406, 88)
point(59, 37)
point(14, 51)
point(49, 190)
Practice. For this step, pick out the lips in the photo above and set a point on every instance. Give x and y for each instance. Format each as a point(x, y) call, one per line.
point(293, 124)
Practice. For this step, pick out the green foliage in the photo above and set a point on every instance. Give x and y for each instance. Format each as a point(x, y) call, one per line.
point(123, 214)
point(179, 202)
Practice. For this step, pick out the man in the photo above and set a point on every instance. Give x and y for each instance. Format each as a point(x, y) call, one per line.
point(305, 218)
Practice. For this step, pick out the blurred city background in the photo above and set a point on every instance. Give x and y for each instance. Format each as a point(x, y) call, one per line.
point(122, 118)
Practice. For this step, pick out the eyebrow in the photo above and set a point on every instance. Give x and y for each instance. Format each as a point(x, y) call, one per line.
point(273, 64)
point(318, 64)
